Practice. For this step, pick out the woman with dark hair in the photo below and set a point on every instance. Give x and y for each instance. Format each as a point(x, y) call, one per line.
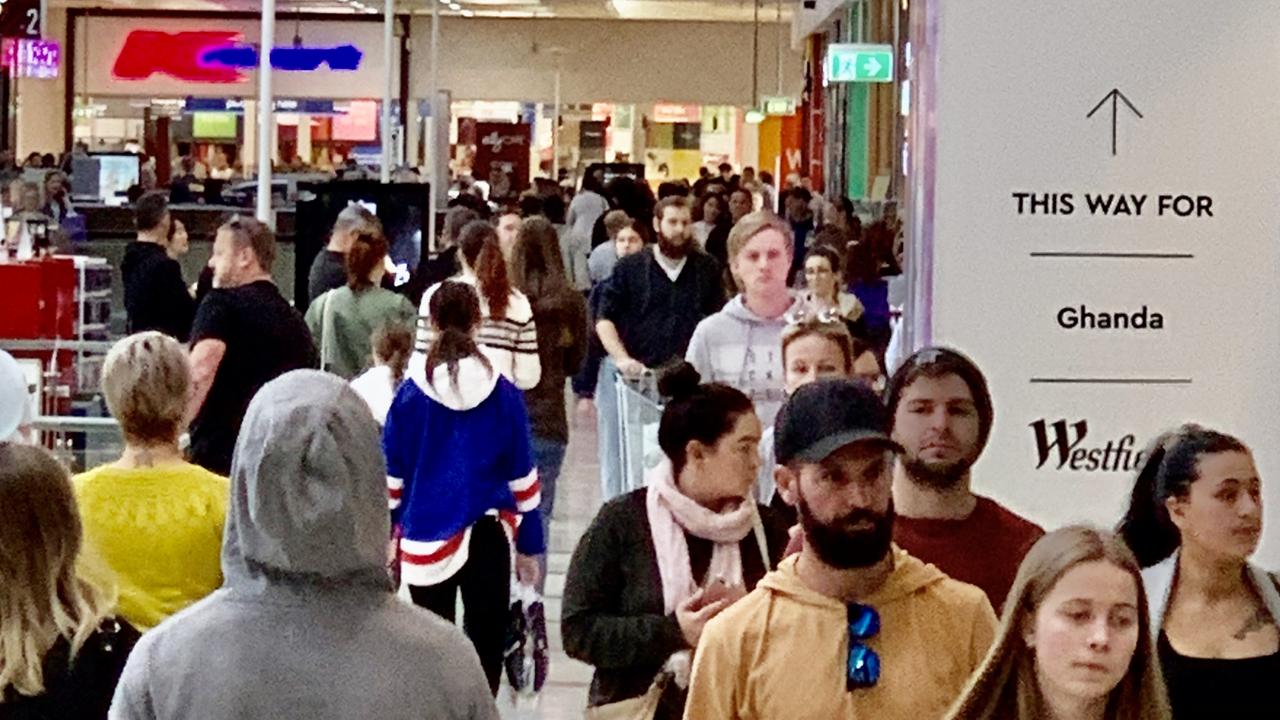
point(461, 478)
point(862, 273)
point(61, 650)
point(1075, 640)
point(659, 562)
point(342, 320)
point(561, 316)
point(713, 213)
point(508, 336)
point(1194, 519)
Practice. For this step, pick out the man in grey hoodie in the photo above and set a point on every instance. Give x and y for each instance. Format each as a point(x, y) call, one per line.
point(306, 625)
point(741, 346)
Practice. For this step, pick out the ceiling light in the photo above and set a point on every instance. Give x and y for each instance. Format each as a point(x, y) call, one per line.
point(468, 13)
point(455, 7)
point(754, 117)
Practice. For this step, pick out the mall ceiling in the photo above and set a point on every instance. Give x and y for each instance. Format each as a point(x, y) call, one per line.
point(705, 10)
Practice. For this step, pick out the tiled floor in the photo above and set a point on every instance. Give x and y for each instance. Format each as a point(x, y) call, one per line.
point(577, 499)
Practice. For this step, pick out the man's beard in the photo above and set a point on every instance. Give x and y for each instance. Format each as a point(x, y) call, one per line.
point(937, 475)
point(843, 547)
point(671, 249)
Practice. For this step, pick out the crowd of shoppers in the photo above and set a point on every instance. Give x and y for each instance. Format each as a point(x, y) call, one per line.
point(809, 545)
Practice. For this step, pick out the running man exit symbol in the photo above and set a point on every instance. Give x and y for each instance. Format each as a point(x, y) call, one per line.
point(1115, 97)
point(855, 62)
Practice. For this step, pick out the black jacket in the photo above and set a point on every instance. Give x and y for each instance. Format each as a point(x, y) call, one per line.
point(613, 610)
point(155, 295)
point(654, 316)
point(79, 690)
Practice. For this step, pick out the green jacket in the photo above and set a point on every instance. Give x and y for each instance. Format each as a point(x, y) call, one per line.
point(348, 350)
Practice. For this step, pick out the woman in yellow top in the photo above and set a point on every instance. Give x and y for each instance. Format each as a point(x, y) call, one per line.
point(151, 518)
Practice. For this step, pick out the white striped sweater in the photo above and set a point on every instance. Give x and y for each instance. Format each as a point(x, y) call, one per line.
point(510, 342)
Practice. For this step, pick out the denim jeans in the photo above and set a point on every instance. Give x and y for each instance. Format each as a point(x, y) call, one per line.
point(610, 431)
point(548, 457)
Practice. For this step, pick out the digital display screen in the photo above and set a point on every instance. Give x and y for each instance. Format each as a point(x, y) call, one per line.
point(213, 125)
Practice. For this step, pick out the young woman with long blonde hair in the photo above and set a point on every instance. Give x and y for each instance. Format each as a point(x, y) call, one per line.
point(61, 651)
point(1075, 642)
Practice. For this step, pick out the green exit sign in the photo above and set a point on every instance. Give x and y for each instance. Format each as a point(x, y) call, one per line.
point(852, 62)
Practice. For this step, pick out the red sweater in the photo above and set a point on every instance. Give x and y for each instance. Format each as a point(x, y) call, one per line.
point(983, 549)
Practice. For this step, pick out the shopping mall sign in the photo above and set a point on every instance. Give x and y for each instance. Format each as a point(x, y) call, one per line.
point(853, 62)
point(217, 56)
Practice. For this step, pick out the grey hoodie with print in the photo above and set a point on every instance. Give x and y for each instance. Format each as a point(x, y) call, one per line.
point(738, 348)
point(306, 626)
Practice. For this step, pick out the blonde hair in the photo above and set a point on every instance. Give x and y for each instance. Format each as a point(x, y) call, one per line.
point(834, 331)
point(146, 380)
point(753, 224)
point(1006, 688)
point(42, 598)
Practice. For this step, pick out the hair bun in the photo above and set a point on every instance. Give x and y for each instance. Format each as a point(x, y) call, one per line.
point(678, 380)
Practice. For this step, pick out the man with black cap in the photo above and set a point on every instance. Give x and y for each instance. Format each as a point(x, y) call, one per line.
point(811, 640)
point(940, 413)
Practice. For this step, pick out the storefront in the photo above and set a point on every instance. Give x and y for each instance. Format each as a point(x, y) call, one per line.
point(183, 84)
point(671, 140)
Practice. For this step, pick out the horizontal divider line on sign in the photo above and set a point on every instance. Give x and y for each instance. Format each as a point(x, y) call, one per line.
point(1110, 381)
point(1115, 255)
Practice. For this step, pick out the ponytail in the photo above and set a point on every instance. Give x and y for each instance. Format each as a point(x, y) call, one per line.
point(1146, 527)
point(491, 272)
point(392, 346)
point(455, 312)
point(479, 246)
point(1169, 467)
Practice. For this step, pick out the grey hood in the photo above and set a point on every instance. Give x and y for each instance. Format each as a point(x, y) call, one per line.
point(308, 489)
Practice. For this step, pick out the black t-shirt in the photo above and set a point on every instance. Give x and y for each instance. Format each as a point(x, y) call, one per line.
point(1207, 689)
point(155, 295)
point(328, 271)
point(265, 339)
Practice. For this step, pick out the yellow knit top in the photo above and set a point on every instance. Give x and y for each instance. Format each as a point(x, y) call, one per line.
point(157, 531)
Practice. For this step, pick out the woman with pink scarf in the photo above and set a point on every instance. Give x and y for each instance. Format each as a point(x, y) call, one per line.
point(658, 563)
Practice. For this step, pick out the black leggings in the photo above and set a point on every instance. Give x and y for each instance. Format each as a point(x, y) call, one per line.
point(485, 582)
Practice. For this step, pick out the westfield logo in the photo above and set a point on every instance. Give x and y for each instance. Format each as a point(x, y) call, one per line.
point(218, 56)
point(1063, 444)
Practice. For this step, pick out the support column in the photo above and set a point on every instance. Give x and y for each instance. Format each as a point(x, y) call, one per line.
point(266, 124)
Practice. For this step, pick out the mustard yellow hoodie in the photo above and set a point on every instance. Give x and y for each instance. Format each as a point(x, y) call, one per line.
point(779, 653)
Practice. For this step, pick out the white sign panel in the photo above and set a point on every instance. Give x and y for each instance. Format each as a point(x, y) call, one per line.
point(1107, 236)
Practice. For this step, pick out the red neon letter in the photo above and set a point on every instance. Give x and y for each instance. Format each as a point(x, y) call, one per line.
point(147, 52)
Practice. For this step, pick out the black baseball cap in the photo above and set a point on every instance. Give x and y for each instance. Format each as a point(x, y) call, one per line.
point(824, 416)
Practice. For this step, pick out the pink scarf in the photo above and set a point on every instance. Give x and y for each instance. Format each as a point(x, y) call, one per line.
point(671, 515)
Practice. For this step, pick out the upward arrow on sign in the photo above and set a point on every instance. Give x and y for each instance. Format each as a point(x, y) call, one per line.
point(1115, 96)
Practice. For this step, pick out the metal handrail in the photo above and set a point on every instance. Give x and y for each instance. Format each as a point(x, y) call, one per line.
point(72, 423)
point(28, 345)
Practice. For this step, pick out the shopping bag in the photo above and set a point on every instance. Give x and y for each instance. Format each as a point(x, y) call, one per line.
point(527, 659)
point(636, 708)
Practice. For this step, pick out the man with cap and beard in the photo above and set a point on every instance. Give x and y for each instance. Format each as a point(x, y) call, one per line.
point(852, 626)
point(306, 625)
point(940, 413)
